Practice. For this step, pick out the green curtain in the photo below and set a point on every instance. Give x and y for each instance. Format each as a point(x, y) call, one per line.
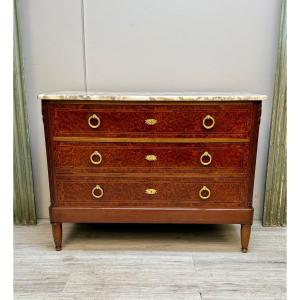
point(24, 206)
point(276, 192)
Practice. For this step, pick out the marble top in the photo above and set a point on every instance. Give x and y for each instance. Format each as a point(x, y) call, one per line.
point(153, 96)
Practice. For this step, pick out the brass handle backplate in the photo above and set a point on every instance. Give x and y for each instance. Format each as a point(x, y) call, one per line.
point(151, 157)
point(208, 122)
point(204, 193)
point(96, 158)
point(94, 118)
point(150, 191)
point(97, 192)
point(150, 121)
point(204, 157)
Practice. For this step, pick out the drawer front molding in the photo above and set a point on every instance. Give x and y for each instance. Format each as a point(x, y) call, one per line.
point(102, 157)
point(138, 120)
point(159, 192)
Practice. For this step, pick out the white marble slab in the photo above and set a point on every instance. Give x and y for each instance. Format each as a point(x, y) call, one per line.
point(147, 96)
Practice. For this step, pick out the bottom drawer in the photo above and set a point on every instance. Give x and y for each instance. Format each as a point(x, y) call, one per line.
point(151, 192)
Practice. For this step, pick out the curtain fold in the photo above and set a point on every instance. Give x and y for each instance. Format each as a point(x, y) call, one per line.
point(24, 205)
point(276, 186)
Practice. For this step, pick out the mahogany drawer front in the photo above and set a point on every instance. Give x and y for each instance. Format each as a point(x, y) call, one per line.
point(136, 157)
point(157, 192)
point(230, 120)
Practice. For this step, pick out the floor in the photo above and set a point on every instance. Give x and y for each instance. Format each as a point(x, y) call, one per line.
point(190, 262)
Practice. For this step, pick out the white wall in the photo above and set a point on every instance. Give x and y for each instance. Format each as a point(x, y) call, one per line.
point(148, 45)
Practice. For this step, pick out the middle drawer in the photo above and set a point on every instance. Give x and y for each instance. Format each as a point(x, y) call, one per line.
point(134, 157)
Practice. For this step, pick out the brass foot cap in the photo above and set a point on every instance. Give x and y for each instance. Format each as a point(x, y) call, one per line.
point(244, 250)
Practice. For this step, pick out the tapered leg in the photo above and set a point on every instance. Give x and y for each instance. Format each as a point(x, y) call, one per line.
point(245, 236)
point(57, 235)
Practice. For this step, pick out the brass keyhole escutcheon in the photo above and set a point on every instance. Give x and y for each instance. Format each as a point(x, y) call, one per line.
point(150, 121)
point(150, 191)
point(151, 157)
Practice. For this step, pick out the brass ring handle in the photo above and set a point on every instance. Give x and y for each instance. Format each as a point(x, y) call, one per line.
point(204, 155)
point(93, 156)
point(150, 121)
point(99, 189)
point(150, 191)
point(151, 157)
point(208, 118)
point(94, 117)
point(201, 193)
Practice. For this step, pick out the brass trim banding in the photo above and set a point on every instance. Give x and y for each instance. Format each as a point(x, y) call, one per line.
point(149, 140)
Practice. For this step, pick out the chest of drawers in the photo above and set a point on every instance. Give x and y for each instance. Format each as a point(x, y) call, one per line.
point(151, 159)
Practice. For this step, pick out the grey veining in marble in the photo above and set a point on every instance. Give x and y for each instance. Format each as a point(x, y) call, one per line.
point(134, 96)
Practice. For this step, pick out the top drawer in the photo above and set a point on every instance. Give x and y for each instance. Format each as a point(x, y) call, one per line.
point(142, 120)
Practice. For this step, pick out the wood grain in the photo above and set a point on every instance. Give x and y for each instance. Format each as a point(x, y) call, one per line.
point(245, 236)
point(125, 192)
point(154, 215)
point(76, 157)
point(122, 120)
point(57, 235)
point(178, 138)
